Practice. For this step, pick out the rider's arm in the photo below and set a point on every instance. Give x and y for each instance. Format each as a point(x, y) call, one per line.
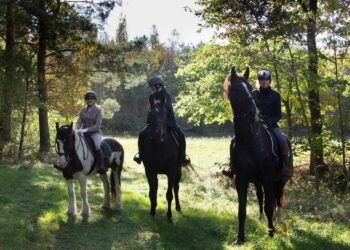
point(277, 110)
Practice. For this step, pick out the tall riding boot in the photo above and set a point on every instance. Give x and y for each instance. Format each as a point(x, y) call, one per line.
point(139, 156)
point(230, 171)
point(182, 141)
point(286, 171)
point(100, 162)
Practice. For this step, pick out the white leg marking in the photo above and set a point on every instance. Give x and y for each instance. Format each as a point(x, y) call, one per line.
point(116, 157)
point(72, 204)
point(86, 207)
point(279, 215)
point(118, 201)
point(106, 200)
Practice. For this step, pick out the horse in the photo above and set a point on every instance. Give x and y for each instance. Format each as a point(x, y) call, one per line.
point(254, 154)
point(161, 156)
point(76, 160)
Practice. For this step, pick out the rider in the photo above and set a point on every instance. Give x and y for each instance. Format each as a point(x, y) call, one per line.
point(157, 86)
point(89, 123)
point(269, 103)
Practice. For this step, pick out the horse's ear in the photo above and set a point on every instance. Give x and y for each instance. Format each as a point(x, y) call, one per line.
point(57, 126)
point(233, 73)
point(246, 73)
point(71, 124)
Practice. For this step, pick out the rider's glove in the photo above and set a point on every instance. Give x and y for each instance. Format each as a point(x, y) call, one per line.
point(82, 131)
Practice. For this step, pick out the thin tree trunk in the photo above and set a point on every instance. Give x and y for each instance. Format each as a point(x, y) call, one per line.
point(296, 81)
point(316, 157)
point(42, 87)
point(9, 83)
point(24, 118)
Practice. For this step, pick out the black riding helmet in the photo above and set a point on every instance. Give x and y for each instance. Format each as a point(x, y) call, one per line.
point(90, 94)
point(155, 80)
point(264, 74)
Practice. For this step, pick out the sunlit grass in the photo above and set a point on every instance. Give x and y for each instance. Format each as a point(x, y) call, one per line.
point(33, 201)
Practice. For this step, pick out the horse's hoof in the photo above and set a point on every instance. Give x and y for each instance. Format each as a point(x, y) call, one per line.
point(271, 232)
point(178, 209)
point(170, 221)
point(239, 241)
point(152, 213)
point(261, 218)
point(72, 212)
point(104, 207)
point(86, 212)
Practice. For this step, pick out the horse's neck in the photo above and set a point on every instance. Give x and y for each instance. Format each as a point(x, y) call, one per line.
point(245, 132)
point(82, 151)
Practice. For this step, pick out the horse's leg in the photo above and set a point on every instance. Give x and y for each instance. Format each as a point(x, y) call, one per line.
point(106, 200)
point(72, 206)
point(260, 196)
point(153, 188)
point(269, 200)
point(176, 190)
point(169, 195)
point(83, 194)
point(278, 192)
point(241, 187)
point(118, 200)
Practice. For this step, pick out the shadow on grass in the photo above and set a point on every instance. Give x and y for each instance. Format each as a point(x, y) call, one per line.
point(309, 240)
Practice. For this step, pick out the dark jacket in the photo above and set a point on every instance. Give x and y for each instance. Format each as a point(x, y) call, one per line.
point(171, 122)
point(269, 103)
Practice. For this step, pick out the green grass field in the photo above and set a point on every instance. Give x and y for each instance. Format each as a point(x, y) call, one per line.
point(33, 200)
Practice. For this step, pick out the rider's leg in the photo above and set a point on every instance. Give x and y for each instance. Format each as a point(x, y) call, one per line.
point(97, 138)
point(231, 171)
point(286, 172)
point(142, 137)
point(182, 145)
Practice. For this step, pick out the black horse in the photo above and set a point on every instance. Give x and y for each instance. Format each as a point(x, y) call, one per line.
point(254, 155)
point(161, 156)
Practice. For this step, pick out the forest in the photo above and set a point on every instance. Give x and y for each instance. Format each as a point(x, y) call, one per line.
point(53, 51)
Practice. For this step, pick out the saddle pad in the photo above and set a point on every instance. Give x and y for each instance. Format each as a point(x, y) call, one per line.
point(107, 152)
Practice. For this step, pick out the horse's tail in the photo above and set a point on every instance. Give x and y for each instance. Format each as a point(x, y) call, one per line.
point(112, 179)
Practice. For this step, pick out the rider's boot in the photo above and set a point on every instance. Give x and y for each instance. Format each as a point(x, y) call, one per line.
point(100, 162)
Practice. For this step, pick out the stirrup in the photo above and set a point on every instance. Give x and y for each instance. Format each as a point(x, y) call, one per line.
point(137, 158)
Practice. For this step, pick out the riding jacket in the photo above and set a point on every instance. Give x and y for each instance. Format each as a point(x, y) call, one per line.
point(90, 117)
point(269, 103)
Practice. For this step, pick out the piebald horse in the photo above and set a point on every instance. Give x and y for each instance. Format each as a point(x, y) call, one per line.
point(76, 161)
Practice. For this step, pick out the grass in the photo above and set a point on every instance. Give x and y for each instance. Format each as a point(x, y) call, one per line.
point(33, 200)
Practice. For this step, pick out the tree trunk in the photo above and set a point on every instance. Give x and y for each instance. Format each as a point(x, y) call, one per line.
point(42, 88)
point(24, 118)
point(316, 156)
point(9, 83)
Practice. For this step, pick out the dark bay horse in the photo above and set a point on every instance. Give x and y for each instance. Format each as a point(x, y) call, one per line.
point(76, 161)
point(254, 158)
point(161, 156)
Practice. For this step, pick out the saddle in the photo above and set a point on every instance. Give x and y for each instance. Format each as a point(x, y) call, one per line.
point(106, 150)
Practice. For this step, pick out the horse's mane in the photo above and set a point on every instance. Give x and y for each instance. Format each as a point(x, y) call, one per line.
point(227, 85)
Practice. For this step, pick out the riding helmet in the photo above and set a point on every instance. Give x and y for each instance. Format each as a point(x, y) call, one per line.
point(155, 80)
point(264, 74)
point(90, 94)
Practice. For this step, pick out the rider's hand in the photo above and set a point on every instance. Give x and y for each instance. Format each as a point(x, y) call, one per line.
point(82, 131)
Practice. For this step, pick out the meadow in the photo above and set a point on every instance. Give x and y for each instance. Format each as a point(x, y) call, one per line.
point(33, 201)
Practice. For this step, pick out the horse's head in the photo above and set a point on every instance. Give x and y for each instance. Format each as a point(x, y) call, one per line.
point(239, 92)
point(157, 118)
point(65, 144)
